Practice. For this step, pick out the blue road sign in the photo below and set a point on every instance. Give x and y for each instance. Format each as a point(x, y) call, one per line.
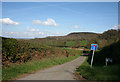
point(94, 46)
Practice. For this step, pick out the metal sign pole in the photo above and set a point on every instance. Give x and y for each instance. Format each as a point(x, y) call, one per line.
point(92, 58)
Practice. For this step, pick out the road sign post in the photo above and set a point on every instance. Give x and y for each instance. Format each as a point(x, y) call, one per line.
point(93, 47)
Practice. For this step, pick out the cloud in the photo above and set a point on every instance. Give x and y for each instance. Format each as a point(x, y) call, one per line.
point(117, 26)
point(10, 32)
point(75, 26)
point(8, 21)
point(49, 22)
point(27, 28)
point(32, 30)
point(41, 33)
point(23, 34)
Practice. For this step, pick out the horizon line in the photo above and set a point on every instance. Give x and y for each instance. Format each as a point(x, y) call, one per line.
point(51, 35)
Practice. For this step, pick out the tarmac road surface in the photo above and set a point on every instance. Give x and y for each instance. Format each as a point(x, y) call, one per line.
point(59, 72)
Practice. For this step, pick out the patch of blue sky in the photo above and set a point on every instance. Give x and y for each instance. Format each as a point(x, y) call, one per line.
point(88, 16)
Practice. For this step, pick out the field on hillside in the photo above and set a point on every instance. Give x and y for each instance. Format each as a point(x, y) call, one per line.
point(17, 52)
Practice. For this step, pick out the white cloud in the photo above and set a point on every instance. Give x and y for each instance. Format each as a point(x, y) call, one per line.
point(8, 21)
point(75, 26)
point(10, 32)
point(32, 30)
point(41, 33)
point(117, 26)
point(49, 22)
point(23, 34)
point(27, 28)
point(57, 33)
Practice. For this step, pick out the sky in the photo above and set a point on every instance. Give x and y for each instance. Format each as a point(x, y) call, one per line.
point(60, 0)
point(42, 19)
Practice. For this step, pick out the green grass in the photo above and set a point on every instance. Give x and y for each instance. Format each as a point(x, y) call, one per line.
point(73, 43)
point(16, 71)
point(70, 43)
point(111, 72)
point(83, 42)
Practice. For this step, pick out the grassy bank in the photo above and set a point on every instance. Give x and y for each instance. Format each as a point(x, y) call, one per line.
point(111, 72)
point(99, 70)
point(29, 67)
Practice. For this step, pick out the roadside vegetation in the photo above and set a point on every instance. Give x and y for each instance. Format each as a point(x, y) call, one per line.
point(99, 70)
point(22, 57)
point(16, 71)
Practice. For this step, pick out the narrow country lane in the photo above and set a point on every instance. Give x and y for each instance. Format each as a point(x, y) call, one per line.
point(59, 72)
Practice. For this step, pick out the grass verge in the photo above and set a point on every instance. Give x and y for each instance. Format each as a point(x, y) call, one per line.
point(29, 67)
point(111, 72)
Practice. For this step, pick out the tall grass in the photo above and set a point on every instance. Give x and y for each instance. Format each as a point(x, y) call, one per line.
point(111, 72)
point(99, 70)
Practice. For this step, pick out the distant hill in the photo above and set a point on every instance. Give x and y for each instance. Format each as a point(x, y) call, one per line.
point(110, 34)
point(103, 39)
point(77, 39)
point(83, 35)
point(107, 35)
point(75, 35)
